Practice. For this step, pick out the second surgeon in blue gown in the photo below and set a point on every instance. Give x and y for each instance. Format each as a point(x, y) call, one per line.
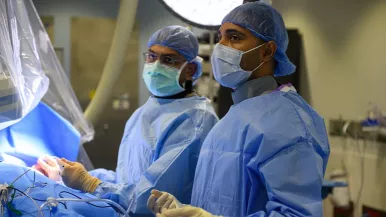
point(268, 155)
point(163, 138)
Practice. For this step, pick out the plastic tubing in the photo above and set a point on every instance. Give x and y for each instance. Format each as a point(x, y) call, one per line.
point(57, 200)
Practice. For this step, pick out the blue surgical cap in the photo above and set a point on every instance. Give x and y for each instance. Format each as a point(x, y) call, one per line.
point(181, 40)
point(266, 24)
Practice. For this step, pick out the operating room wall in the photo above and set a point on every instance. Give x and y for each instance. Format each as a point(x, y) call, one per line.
point(63, 10)
point(344, 44)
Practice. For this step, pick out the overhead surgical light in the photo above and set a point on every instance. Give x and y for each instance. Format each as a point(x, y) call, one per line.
point(201, 13)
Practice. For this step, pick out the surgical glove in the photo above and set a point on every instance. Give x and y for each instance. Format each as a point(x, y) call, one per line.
point(50, 167)
point(186, 211)
point(75, 176)
point(162, 200)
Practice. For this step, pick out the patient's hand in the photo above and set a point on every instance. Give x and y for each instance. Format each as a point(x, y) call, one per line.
point(50, 167)
point(39, 169)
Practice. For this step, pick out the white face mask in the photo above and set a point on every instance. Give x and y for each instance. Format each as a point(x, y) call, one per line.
point(226, 66)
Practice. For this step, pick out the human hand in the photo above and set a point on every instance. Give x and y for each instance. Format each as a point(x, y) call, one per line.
point(75, 176)
point(186, 211)
point(39, 169)
point(49, 166)
point(159, 200)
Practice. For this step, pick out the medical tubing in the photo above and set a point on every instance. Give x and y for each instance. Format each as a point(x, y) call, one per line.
point(115, 60)
point(20, 176)
point(60, 195)
point(33, 201)
point(131, 203)
point(128, 209)
point(56, 200)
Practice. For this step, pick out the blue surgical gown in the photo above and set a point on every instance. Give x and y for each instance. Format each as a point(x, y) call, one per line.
point(159, 149)
point(266, 157)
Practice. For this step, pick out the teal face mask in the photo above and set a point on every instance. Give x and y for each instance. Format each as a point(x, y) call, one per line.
point(162, 80)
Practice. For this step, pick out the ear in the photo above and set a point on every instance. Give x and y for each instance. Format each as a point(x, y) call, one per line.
point(189, 70)
point(270, 51)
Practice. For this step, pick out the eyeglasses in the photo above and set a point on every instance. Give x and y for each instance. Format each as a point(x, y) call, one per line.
point(168, 60)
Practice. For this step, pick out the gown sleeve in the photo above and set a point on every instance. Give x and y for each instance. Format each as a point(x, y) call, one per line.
point(174, 167)
point(174, 170)
point(104, 175)
point(293, 179)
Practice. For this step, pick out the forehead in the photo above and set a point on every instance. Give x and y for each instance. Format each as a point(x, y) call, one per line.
point(162, 50)
point(227, 27)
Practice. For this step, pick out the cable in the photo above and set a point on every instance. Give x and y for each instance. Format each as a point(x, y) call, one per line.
point(60, 195)
point(27, 196)
point(20, 177)
point(54, 201)
point(34, 186)
point(40, 200)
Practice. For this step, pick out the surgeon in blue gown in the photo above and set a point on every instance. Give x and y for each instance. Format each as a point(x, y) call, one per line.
point(162, 139)
point(268, 155)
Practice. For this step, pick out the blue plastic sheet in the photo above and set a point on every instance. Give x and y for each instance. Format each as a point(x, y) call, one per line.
point(42, 131)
